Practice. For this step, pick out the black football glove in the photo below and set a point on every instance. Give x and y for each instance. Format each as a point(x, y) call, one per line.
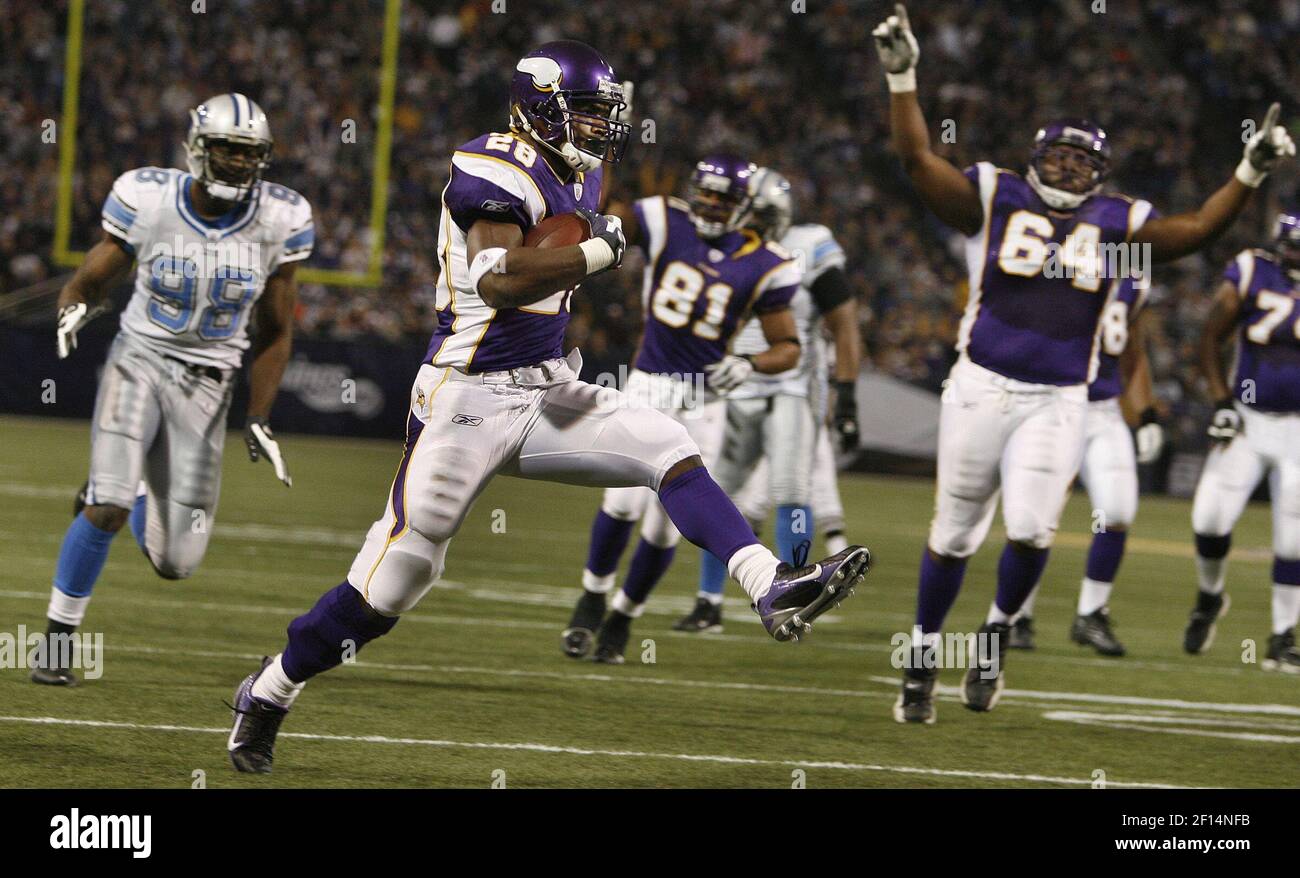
point(846, 416)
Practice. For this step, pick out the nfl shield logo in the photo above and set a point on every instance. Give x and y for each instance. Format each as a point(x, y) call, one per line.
point(577, 191)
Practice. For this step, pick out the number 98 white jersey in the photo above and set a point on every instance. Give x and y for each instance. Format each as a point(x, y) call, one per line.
point(197, 279)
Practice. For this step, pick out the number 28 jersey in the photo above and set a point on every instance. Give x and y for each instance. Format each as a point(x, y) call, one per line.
point(1038, 291)
point(196, 279)
point(698, 292)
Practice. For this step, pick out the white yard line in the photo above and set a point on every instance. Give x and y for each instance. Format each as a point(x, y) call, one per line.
point(1165, 725)
point(1134, 700)
point(716, 759)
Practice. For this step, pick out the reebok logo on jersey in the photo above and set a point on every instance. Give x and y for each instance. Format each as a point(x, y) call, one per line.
point(495, 206)
point(467, 420)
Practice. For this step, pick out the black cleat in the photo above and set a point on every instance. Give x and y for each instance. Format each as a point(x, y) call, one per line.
point(79, 502)
point(982, 686)
point(611, 640)
point(50, 664)
point(1210, 608)
point(578, 639)
point(1282, 654)
point(915, 703)
point(1094, 630)
point(257, 722)
point(1022, 633)
point(705, 618)
point(54, 677)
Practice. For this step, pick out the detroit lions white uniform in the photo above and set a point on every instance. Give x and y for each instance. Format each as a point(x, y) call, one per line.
point(161, 408)
point(778, 416)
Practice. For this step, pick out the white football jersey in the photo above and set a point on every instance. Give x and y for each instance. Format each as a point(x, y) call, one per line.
point(816, 251)
point(197, 279)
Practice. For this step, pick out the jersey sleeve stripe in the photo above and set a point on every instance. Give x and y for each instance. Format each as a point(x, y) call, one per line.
point(1246, 270)
point(655, 212)
point(115, 210)
point(300, 240)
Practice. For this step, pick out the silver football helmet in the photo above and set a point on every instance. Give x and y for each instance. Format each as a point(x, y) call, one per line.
point(228, 146)
point(772, 210)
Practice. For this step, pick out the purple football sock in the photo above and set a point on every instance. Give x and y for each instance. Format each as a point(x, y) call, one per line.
point(649, 564)
point(940, 582)
point(317, 639)
point(609, 538)
point(1104, 555)
point(705, 515)
point(1019, 569)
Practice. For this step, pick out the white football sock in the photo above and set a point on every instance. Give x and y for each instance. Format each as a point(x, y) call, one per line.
point(1210, 574)
point(1026, 610)
point(1286, 607)
point(754, 567)
point(623, 604)
point(1093, 595)
point(274, 685)
point(836, 543)
point(997, 616)
point(65, 608)
point(714, 598)
point(598, 584)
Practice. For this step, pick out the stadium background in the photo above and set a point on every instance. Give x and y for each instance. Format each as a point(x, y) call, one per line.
point(1171, 82)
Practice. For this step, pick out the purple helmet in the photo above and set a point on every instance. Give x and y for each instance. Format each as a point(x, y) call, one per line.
point(721, 193)
point(1286, 241)
point(1066, 179)
point(565, 95)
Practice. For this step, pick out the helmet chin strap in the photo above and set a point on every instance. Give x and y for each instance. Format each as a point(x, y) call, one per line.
point(569, 154)
point(1057, 198)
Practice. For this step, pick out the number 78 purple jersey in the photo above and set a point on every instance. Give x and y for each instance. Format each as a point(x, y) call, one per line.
point(1040, 281)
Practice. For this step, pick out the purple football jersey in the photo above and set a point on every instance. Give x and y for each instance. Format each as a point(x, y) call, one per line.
point(1121, 310)
point(697, 293)
point(1037, 291)
point(500, 178)
point(1268, 348)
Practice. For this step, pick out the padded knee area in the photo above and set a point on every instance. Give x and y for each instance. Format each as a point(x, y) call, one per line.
point(1213, 547)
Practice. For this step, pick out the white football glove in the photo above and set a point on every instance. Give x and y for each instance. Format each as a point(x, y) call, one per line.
point(71, 319)
point(1226, 423)
point(261, 443)
point(625, 114)
point(729, 373)
point(898, 50)
point(604, 249)
point(1150, 438)
point(1270, 145)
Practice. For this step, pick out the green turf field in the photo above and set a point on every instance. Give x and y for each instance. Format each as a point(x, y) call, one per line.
point(471, 687)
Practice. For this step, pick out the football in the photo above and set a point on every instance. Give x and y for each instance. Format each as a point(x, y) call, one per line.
point(561, 230)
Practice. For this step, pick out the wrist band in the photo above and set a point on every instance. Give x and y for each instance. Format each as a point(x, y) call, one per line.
point(905, 81)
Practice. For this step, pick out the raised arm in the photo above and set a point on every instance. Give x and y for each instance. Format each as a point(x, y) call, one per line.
point(942, 186)
point(1173, 236)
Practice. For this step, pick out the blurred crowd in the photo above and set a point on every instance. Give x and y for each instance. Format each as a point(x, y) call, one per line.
point(1172, 82)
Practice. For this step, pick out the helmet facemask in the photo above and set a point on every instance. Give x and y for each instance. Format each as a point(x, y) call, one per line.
point(228, 168)
point(582, 128)
point(1065, 173)
point(716, 208)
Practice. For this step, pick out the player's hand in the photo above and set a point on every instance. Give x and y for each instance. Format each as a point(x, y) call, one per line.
point(898, 50)
point(71, 319)
point(729, 373)
point(1265, 150)
point(845, 418)
point(261, 443)
point(1150, 437)
point(605, 249)
point(625, 114)
point(1226, 423)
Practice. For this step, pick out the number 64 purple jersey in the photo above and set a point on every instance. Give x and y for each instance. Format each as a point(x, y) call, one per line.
point(697, 292)
point(1039, 280)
